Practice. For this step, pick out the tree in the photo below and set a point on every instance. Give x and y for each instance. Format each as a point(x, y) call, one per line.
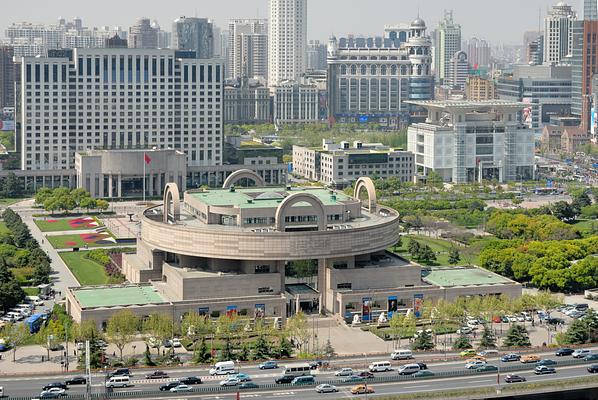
point(11, 292)
point(261, 348)
point(426, 254)
point(147, 356)
point(285, 348)
point(159, 327)
point(17, 335)
point(517, 336)
point(488, 340)
point(462, 343)
point(226, 353)
point(121, 329)
point(329, 350)
point(297, 329)
point(396, 325)
point(11, 186)
point(423, 341)
point(454, 256)
point(88, 203)
point(202, 354)
point(577, 333)
point(564, 211)
point(102, 204)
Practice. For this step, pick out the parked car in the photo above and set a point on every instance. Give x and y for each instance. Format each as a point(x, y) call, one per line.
point(543, 369)
point(191, 380)
point(510, 357)
point(157, 375)
point(530, 358)
point(270, 364)
point(423, 373)
point(76, 380)
point(285, 379)
point(326, 388)
point(464, 330)
point(592, 369)
point(555, 321)
point(581, 353)
point(504, 319)
point(176, 342)
point(60, 385)
point(511, 378)
point(362, 389)
point(565, 351)
point(546, 361)
point(167, 386)
point(56, 347)
point(181, 388)
point(344, 372)
point(486, 368)
point(248, 385)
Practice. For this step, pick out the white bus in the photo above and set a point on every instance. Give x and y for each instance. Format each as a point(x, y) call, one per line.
point(297, 369)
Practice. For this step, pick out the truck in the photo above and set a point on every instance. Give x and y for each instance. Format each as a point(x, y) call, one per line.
point(35, 322)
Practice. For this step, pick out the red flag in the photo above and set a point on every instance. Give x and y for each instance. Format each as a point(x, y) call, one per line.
point(147, 159)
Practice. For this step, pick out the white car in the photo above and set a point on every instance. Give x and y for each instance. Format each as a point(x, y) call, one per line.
point(475, 364)
point(181, 388)
point(464, 330)
point(55, 390)
point(231, 381)
point(344, 372)
point(581, 353)
point(176, 342)
point(326, 388)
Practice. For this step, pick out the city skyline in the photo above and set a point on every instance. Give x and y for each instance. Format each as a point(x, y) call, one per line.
point(354, 20)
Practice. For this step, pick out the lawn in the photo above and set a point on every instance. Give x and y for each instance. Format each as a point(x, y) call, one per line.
point(86, 271)
point(469, 254)
point(8, 201)
point(4, 229)
point(67, 224)
point(80, 240)
point(31, 291)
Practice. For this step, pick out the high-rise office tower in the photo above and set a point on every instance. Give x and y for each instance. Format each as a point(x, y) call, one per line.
point(248, 48)
point(590, 10)
point(316, 55)
point(7, 77)
point(558, 34)
point(142, 35)
point(458, 71)
point(478, 52)
point(535, 51)
point(447, 43)
point(529, 37)
point(287, 39)
point(195, 34)
point(143, 98)
point(164, 37)
point(583, 66)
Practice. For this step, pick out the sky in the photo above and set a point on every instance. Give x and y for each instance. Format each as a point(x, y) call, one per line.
point(499, 21)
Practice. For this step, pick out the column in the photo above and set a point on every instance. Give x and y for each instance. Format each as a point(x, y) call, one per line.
point(160, 188)
point(102, 190)
point(119, 185)
point(150, 184)
point(322, 284)
point(110, 183)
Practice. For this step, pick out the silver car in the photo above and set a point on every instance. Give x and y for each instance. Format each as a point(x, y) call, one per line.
point(326, 388)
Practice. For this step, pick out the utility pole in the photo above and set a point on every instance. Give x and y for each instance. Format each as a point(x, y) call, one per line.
point(66, 346)
point(87, 370)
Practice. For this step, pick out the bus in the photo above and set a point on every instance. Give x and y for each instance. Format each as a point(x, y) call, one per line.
point(297, 369)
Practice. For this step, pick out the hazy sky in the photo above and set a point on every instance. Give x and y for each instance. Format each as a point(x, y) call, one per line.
point(499, 21)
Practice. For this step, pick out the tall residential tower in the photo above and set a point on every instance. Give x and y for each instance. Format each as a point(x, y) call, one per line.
point(248, 48)
point(558, 33)
point(447, 43)
point(194, 34)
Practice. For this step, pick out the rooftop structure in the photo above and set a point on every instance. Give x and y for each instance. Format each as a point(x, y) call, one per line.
point(462, 276)
point(111, 296)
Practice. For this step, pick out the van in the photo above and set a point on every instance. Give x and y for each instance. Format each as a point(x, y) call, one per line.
point(223, 368)
point(121, 381)
point(488, 353)
point(401, 354)
point(409, 369)
point(380, 366)
point(303, 380)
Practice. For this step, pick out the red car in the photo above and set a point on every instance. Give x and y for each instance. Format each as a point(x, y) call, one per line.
point(365, 374)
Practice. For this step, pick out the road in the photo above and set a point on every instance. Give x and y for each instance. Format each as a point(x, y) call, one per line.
point(25, 386)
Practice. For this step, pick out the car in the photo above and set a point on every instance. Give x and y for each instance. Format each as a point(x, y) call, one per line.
point(510, 357)
point(504, 319)
point(543, 369)
point(248, 385)
point(576, 314)
point(476, 358)
point(285, 379)
point(530, 358)
point(555, 321)
point(365, 374)
point(230, 381)
point(354, 378)
point(241, 377)
point(423, 373)
point(191, 380)
point(422, 365)
point(60, 385)
point(176, 342)
point(56, 347)
point(475, 364)
point(76, 380)
point(316, 364)
point(181, 388)
point(48, 395)
point(167, 343)
point(511, 378)
point(546, 361)
point(565, 351)
point(512, 318)
point(497, 319)
point(157, 375)
point(167, 386)
point(362, 389)
point(56, 390)
point(464, 330)
point(344, 372)
point(120, 372)
point(591, 357)
point(486, 368)
point(326, 388)
point(592, 369)
point(581, 353)
point(467, 353)
point(268, 365)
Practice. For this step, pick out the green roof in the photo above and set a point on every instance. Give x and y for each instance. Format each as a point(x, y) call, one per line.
point(263, 197)
point(463, 276)
point(110, 296)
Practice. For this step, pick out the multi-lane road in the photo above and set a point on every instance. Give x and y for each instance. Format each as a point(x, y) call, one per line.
point(30, 386)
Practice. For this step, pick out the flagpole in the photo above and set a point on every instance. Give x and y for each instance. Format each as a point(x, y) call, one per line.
point(144, 177)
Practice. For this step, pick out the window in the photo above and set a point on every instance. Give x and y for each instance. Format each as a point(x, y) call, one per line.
point(266, 289)
point(262, 269)
point(346, 285)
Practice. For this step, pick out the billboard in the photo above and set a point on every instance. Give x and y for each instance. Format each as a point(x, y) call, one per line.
point(259, 311)
point(593, 127)
point(418, 303)
point(7, 125)
point(366, 309)
point(231, 311)
point(526, 113)
point(393, 306)
point(203, 310)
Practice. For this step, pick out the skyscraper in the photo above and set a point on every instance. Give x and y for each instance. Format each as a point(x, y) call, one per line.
point(7, 77)
point(195, 34)
point(287, 40)
point(316, 55)
point(142, 35)
point(447, 43)
point(529, 37)
point(248, 48)
point(558, 34)
point(590, 10)
point(458, 71)
point(478, 52)
point(583, 66)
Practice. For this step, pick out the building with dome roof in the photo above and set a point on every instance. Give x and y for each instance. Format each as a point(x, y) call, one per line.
point(371, 78)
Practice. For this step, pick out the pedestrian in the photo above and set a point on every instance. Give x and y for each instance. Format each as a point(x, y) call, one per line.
point(114, 354)
point(75, 352)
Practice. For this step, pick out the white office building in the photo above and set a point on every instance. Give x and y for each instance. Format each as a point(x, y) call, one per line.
point(469, 141)
point(458, 71)
point(296, 102)
point(447, 41)
point(248, 49)
point(118, 98)
point(558, 33)
point(287, 39)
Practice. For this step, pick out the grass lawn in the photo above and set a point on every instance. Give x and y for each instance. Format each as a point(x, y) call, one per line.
point(86, 271)
point(67, 224)
point(78, 240)
point(4, 229)
point(9, 201)
point(469, 254)
point(31, 291)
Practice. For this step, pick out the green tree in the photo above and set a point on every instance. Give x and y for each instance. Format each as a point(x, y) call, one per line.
point(147, 356)
point(285, 348)
point(226, 354)
point(517, 336)
point(462, 343)
point(488, 340)
point(17, 335)
point(297, 329)
point(423, 341)
point(414, 248)
point(577, 333)
point(121, 329)
point(564, 211)
point(329, 351)
point(11, 186)
point(159, 327)
point(102, 204)
point(202, 354)
point(454, 256)
point(426, 254)
point(261, 348)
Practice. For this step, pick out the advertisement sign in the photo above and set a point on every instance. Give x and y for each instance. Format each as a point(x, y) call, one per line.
point(593, 127)
point(418, 303)
point(231, 311)
point(203, 310)
point(7, 125)
point(393, 305)
point(259, 311)
point(366, 309)
point(526, 113)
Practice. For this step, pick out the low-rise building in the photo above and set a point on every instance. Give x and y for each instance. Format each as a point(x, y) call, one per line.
point(478, 88)
point(573, 139)
point(246, 102)
point(296, 102)
point(340, 165)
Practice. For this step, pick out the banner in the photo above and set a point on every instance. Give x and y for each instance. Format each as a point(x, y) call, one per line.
point(418, 303)
point(526, 114)
point(392, 306)
point(7, 125)
point(231, 311)
point(366, 309)
point(594, 123)
point(259, 311)
point(203, 310)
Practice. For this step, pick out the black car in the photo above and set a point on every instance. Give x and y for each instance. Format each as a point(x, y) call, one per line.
point(120, 372)
point(365, 374)
point(61, 385)
point(555, 321)
point(191, 380)
point(56, 347)
point(592, 369)
point(157, 375)
point(167, 386)
point(49, 395)
point(563, 352)
point(422, 365)
point(248, 385)
point(514, 378)
point(285, 379)
point(76, 380)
